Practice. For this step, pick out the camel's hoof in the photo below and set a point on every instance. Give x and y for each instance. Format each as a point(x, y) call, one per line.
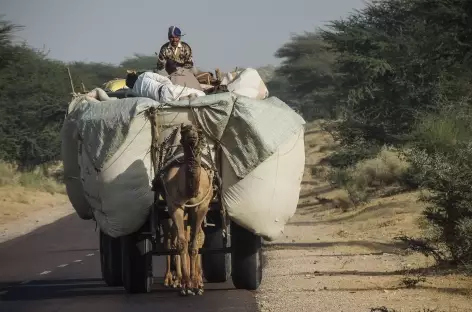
point(186, 292)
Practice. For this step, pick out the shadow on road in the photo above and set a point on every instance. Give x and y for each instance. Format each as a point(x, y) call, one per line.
point(392, 248)
point(70, 288)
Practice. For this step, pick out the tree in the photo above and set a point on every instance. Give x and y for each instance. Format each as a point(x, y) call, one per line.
point(399, 59)
point(34, 92)
point(306, 76)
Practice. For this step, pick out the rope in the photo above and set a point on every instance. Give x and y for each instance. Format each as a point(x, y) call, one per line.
point(163, 150)
point(217, 176)
point(213, 173)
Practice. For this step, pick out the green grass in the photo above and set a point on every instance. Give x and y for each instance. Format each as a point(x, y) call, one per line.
point(41, 179)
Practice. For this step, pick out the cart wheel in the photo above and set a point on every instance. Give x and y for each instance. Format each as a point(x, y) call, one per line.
point(216, 267)
point(110, 259)
point(137, 268)
point(246, 258)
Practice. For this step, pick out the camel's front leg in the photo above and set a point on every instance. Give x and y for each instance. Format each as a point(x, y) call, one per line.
point(199, 262)
point(182, 247)
point(188, 230)
point(168, 278)
point(178, 272)
point(177, 261)
point(197, 240)
point(166, 226)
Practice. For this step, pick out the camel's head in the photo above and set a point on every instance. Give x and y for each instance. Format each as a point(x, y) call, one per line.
point(189, 135)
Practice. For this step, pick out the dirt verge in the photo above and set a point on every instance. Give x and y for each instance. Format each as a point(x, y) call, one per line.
point(333, 260)
point(23, 210)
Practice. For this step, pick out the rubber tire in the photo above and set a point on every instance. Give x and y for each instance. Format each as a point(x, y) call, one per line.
point(110, 260)
point(137, 268)
point(246, 258)
point(216, 267)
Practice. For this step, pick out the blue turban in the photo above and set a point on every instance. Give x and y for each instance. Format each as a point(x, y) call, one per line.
point(174, 32)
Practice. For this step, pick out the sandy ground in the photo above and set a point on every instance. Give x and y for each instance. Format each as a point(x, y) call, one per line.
point(330, 260)
point(24, 210)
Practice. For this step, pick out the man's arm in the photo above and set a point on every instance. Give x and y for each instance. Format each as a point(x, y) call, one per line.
point(188, 60)
point(161, 59)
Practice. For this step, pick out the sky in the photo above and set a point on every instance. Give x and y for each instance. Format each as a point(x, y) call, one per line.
point(222, 34)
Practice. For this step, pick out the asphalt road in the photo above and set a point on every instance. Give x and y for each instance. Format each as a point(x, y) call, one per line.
point(57, 268)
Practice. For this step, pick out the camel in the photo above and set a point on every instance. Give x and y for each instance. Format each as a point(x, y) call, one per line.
point(188, 190)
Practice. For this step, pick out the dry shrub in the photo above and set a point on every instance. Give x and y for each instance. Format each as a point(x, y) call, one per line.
point(37, 179)
point(8, 174)
point(388, 168)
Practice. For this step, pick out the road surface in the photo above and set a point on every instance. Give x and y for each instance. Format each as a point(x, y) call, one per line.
point(57, 268)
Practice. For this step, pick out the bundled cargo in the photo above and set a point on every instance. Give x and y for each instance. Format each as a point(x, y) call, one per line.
point(107, 165)
point(246, 82)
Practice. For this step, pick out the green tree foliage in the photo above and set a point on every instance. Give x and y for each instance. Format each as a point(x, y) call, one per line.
point(398, 59)
point(33, 94)
point(93, 75)
point(140, 62)
point(306, 76)
point(382, 66)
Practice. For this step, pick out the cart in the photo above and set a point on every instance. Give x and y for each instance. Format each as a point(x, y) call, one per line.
point(229, 249)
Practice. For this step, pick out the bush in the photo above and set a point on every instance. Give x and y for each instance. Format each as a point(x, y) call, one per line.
point(7, 174)
point(349, 155)
point(442, 161)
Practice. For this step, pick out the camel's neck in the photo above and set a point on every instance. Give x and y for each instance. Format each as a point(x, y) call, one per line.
point(192, 161)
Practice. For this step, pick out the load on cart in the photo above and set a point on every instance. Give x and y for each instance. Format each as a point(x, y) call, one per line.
point(200, 179)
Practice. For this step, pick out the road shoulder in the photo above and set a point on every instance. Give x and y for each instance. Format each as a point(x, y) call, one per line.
point(334, 259)
point(24, 210)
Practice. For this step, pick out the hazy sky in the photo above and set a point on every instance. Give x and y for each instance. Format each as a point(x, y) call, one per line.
point(221, 33)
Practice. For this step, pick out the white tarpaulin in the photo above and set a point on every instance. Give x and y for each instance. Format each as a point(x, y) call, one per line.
point(263, 157)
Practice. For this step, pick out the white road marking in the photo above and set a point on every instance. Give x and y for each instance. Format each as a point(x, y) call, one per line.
point(3, 292)
point(62, 265)
point(90, 254)
point(45, 272)
point(77, 261)
point(24, 282)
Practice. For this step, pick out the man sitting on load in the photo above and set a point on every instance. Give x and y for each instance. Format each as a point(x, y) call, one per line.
point(175, 52)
